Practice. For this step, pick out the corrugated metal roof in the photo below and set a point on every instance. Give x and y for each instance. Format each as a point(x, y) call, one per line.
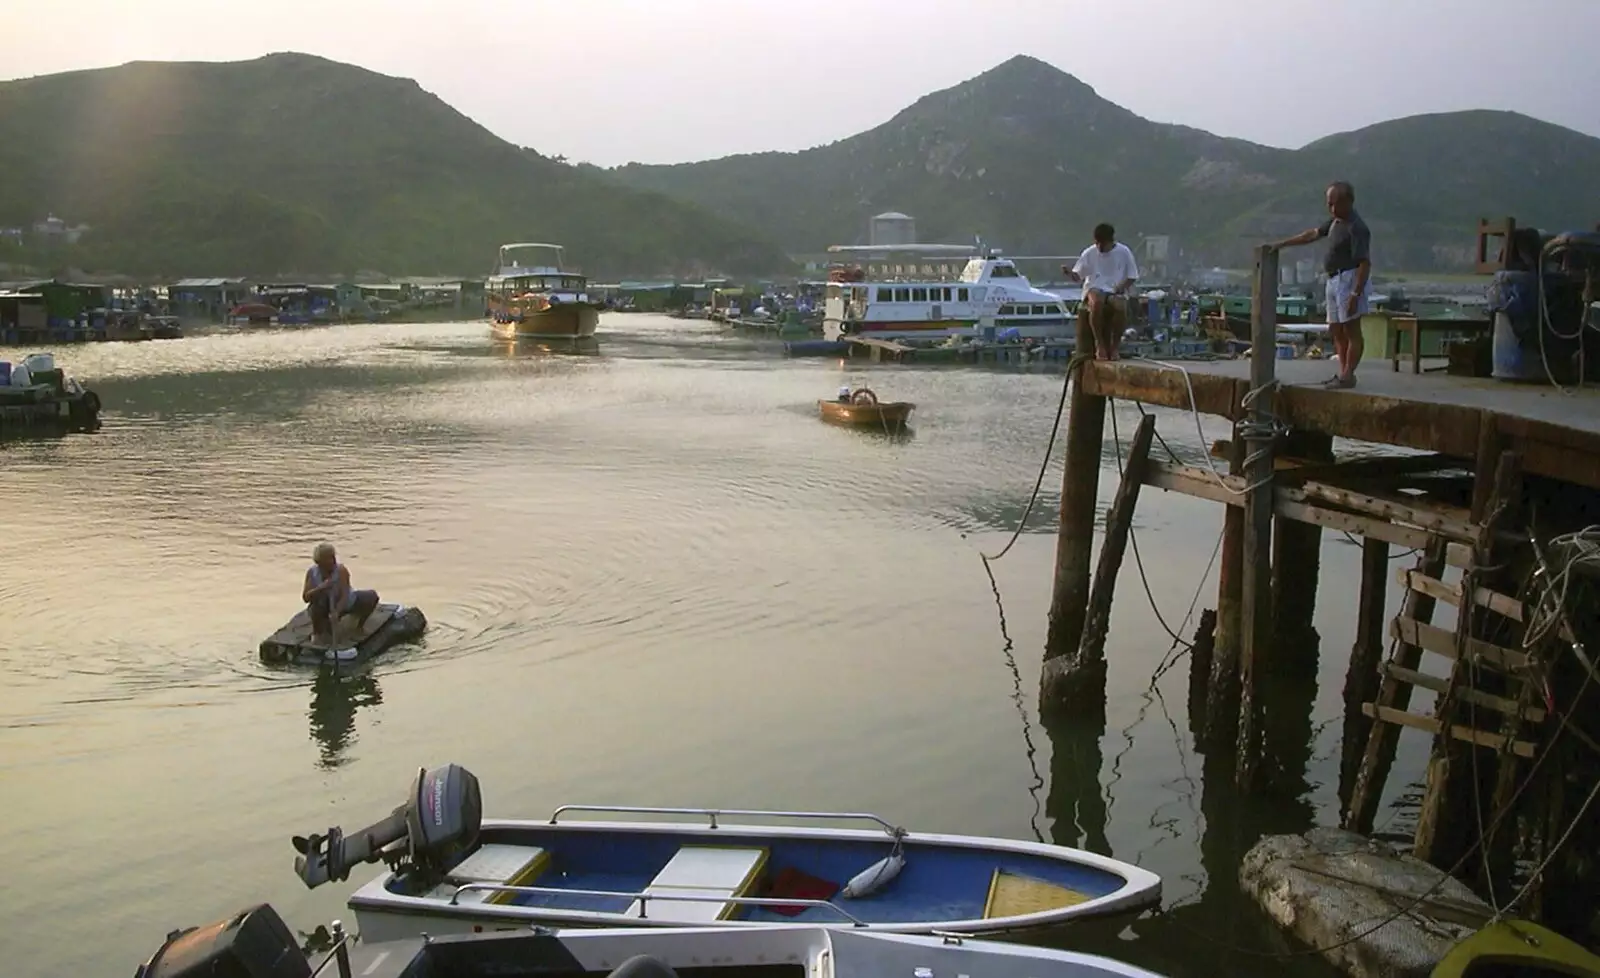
point(205, 283)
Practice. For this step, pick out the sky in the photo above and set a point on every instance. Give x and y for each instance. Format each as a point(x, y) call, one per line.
point(663, 81)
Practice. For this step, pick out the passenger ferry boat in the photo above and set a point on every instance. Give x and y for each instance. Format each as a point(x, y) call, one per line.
point(533, 295)
point(987, 298)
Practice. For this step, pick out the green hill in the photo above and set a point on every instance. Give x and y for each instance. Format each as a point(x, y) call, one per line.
point(291, 163)
point(1031, 158)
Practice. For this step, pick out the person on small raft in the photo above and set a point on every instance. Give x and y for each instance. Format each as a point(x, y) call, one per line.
point(329, 596)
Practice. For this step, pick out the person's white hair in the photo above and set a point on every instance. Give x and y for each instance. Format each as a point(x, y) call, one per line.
point(323, 550)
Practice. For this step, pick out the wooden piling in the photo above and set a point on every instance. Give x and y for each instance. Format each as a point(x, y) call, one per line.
point(1221, 725)
point(1119, 524)
point(1080, 484)
point(1258, 508)
point(1361, 679)
point(1297, 555)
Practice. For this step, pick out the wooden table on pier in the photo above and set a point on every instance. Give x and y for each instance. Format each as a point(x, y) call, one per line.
point(1401, 326)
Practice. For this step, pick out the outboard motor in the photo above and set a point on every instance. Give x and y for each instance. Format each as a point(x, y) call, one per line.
point(437, 824)
point(254, 943)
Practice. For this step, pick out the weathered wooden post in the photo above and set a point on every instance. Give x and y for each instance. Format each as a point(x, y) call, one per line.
point(1091, 657)
point(1297, 554)
point(1366, 662)
point(1258, 433)
point(1221, 727)
point(1080, 483)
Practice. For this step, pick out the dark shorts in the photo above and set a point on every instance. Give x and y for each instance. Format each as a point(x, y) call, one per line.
point(1119, 310)
point(319, 606)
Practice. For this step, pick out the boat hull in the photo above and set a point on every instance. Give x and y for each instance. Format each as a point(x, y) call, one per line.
point(388, 625)
point(941, 330)
point(562, 321)
point(590, 874)
point(890, 414)
point(709, 952)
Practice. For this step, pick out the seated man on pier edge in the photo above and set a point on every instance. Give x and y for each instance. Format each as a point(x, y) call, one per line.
point(328, 594)
point(1107, 271)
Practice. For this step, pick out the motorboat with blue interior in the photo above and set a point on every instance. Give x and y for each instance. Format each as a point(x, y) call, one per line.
point(534, 294)
point(451, 870)
point(989, 299)
point(257, 942)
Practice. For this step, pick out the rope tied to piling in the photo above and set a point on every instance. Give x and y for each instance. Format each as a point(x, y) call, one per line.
point(1074, 367)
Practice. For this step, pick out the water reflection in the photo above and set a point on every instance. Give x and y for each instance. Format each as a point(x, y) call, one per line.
point(583, 346)
point(1008, 651)
point(892, 436)
point(1076, 801)
point(336, 695)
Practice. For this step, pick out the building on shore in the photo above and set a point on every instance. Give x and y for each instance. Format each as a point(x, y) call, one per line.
point(892, 228)
point(207, 299)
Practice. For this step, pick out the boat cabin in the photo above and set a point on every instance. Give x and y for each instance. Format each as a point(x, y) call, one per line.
point(532, 257)
point(520, 284)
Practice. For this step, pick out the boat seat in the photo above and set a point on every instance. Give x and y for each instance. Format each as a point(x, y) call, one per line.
point(494, 863)
point(703, 871)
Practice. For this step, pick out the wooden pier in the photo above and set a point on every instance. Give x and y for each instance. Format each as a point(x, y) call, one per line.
point(1485, 480)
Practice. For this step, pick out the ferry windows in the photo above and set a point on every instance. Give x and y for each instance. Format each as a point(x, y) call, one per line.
point(902, 295)
point(919, 295)
point(961, 295)
point(885, 295)
point(1003, 271)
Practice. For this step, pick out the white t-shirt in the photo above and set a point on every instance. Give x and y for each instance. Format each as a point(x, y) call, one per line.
point(1105, 270)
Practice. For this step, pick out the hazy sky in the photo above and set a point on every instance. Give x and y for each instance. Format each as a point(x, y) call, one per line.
point(610, 81)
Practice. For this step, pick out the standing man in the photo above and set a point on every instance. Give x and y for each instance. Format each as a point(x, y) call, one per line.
point(1349, 267)
point(1107, 271)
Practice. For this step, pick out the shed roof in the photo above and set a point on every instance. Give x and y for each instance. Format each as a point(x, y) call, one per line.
point(205, 283)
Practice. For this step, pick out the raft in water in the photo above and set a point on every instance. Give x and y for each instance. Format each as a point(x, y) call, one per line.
point(388, 625)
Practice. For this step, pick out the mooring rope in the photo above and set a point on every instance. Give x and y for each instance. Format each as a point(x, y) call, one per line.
point(1074, 366)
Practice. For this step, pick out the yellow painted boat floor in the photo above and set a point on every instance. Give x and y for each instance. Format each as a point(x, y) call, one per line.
point(1012, 895)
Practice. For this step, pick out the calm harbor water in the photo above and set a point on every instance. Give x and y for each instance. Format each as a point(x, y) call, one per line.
point(652, 577)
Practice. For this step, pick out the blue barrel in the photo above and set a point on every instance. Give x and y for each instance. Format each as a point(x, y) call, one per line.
point(1513, 361)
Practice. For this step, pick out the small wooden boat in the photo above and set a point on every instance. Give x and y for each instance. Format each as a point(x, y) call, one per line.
point(451, 871)
point(164, 327)
point(258, 942)
point(1517, 949)
point(861, 408)
point(387, 626)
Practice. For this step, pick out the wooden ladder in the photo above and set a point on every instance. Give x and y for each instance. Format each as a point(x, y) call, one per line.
point(1414, 633)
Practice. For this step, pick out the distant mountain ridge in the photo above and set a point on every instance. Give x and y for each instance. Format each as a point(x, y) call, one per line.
point(293, 163)
point(1030, 157)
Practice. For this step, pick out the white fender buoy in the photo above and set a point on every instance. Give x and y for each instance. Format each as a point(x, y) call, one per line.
point(874, 877)
point(342, 655)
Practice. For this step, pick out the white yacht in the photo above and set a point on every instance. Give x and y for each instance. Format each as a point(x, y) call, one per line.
point(986, 300)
